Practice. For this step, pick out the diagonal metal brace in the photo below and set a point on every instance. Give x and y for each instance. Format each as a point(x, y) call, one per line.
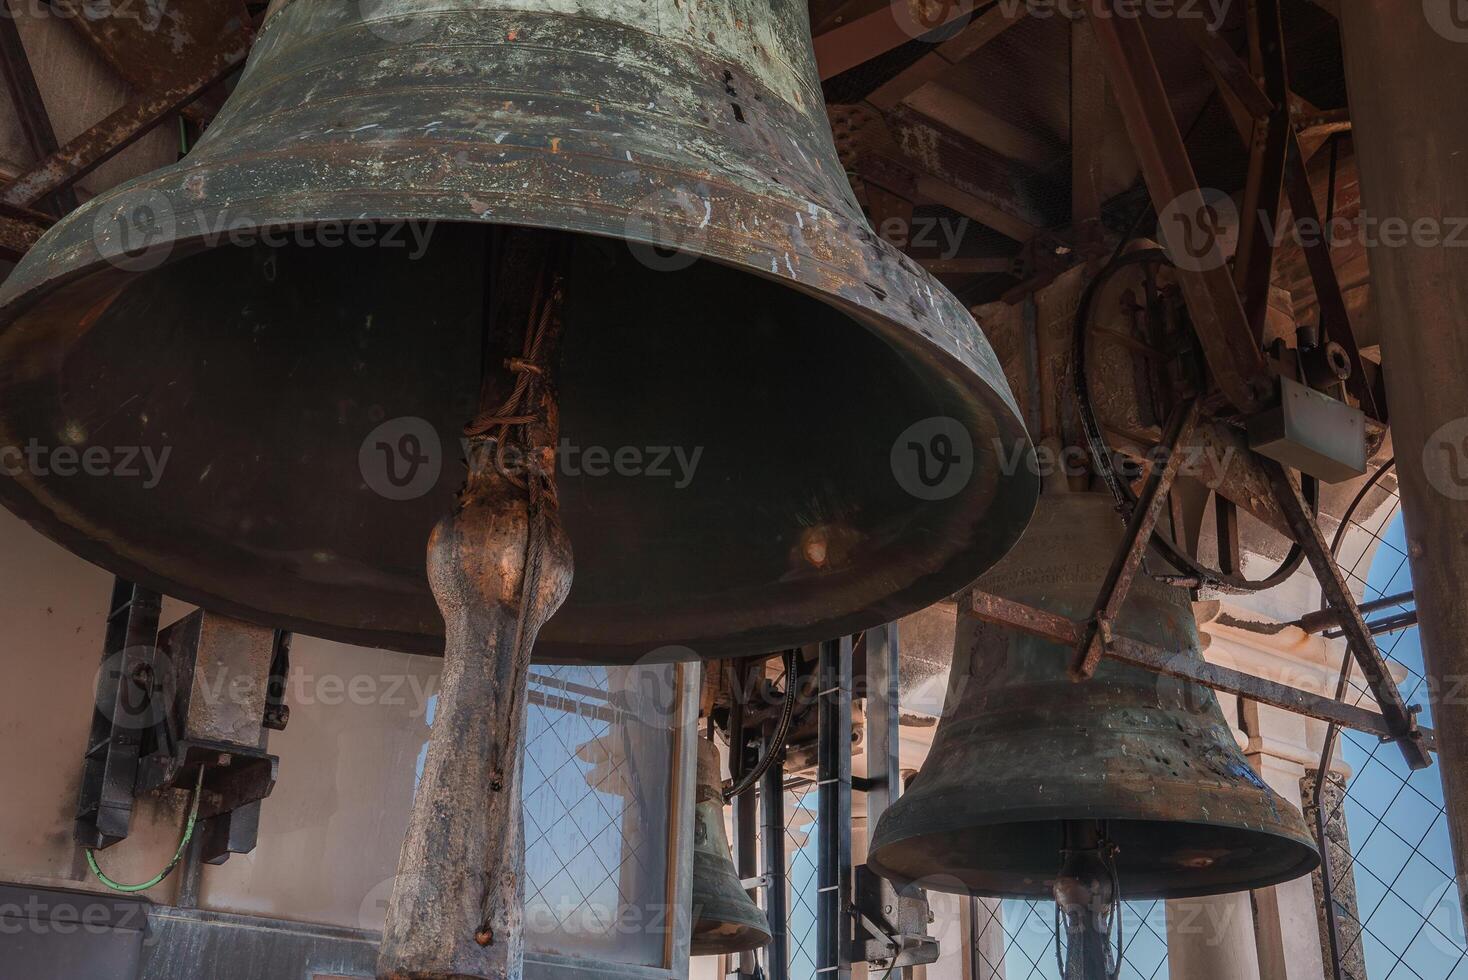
point(1400, 718)
point(1139, 528)
point(1058, 629)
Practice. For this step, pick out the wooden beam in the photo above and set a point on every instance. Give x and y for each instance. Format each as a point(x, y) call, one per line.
point(967, 118)
point(859, 41)
point(983, 29)
point(986, 211)
point(969, 265)
point(1088, 121)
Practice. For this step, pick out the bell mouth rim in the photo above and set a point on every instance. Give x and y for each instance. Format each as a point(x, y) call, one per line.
point(1171, 884)
point(989, 395)
point(61, 257)
point(740, 942)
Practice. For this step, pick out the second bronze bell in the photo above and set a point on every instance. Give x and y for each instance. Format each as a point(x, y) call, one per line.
point(1022, 752)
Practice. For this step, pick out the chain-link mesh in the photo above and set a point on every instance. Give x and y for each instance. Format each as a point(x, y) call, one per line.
point(1029, 940)
point(596, 783)
point(802, 883)
point(1397, 906)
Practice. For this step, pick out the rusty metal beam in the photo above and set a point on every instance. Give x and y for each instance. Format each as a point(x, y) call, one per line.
point(1058, 629)
point(148, 56)
point(25, 95)
point(112, 135)
point(1218, 316)
point(1338, 596)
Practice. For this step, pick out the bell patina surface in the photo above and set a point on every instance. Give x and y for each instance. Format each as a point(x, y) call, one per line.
point(1021, 749)
point(758, 414)
point(725, 918)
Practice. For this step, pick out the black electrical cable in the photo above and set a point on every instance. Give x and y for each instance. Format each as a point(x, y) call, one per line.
point(782, 731)
point(1101, 453)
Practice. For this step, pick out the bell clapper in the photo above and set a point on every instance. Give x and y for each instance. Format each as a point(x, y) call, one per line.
point(1087, 904)
point(500, 565)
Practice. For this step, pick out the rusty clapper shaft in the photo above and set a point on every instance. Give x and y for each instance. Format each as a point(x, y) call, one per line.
point(499, 565)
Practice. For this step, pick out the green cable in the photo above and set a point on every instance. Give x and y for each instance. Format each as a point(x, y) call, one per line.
point(177, 855)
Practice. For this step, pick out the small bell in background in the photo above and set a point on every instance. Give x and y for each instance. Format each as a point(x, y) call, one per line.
point(725, 918)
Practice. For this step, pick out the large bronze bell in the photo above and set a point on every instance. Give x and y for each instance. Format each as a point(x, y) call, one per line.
point(722, 487)
point(725, 918)
point(1022, 753)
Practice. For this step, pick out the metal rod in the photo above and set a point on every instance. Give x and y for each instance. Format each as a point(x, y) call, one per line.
point(833, 900)
point(883, 733)
point(743, 749)
point(1380, 627)
point(1327, 878)
point(772, 842)
point(1318, 622)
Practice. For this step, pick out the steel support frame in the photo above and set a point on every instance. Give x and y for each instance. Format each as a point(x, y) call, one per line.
point(833, 783)
point(125, 686)
point(25, 95)
point(1276, 171)
point(1233, 354)
point(62, 168)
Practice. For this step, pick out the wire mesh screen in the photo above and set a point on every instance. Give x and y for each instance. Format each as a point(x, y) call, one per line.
point(1397, 905)
point(801, 861)
point(597, 785)
point(1028, 940)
